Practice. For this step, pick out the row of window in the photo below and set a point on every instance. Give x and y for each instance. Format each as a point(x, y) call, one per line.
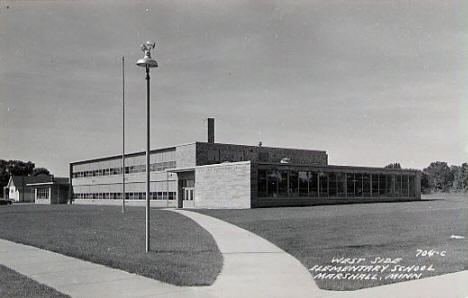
point(160, 166)
point(289, 183)
point(160, 195)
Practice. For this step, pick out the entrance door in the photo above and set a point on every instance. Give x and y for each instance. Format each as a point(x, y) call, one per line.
point(188, 197)
point(188, 193)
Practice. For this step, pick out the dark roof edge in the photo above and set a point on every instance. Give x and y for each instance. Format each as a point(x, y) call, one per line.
point(286, 148)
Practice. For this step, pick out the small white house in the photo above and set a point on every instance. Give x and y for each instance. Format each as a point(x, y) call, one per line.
point(37, 189)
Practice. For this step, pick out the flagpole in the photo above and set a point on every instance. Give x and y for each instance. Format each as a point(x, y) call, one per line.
point(123, 134)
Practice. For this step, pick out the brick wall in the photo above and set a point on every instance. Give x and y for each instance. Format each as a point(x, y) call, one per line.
point(212, 153)
point(226, 185)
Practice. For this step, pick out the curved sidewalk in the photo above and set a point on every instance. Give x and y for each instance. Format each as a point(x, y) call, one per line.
point(253, 266)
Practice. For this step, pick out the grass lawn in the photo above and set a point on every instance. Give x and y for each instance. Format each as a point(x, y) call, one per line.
point(13, 284)
point(315, 235)
point(182, 253)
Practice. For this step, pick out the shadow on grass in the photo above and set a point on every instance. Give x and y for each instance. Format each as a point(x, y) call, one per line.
point(183, 253)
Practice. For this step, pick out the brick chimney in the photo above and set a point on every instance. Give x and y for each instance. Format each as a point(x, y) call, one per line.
point(211, 130)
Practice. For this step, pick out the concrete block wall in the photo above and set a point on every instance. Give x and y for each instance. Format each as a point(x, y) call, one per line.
point(226, 185)
point(185, 155)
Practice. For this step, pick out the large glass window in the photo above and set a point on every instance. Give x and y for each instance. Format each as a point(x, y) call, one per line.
point(303, 184)
point(382, 185)
point(313, 184)
point(283, 183)
point(272, 182)
point(404, 185)
point(341, 184)
point(358, 185)
point(412, 186)
point(366, 191)
point(332, 184)
point(390, 183)
point(293, 184)
point(398, 185)
point(350, 182)
point(262, 183)
point(323, 184)
point(375, 185)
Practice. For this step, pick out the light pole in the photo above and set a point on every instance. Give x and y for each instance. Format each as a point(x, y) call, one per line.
point(147, 62)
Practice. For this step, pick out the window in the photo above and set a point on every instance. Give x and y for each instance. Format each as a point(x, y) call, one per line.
point(411, 186)
point(262, 183)
point(313, 184)
point(350, 181)
point(358, 187)
point(382, 184)
point(43, 193)
point(272, 182)
point(283, 183)
point(323, 184)
point(293, 184)
point(303, 184)
point(332, 184)
point(390, 182)
point(398, 185)
point(404, 185)
point(366, 185)
point(341, 184)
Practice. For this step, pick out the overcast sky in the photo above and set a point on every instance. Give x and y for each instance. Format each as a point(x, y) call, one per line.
point(371, 82)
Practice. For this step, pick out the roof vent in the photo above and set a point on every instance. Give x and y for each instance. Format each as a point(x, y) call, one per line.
point(285, 160)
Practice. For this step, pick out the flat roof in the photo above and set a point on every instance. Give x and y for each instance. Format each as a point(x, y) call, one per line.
point(349, 168)
point(180, 145)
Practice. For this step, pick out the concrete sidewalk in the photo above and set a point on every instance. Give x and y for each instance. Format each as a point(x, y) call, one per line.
point(79, 278)
point(253, 267)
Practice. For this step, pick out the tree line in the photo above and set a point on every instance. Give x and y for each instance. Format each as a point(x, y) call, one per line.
point(437, 177)
point(440, 177)
point(17, 168)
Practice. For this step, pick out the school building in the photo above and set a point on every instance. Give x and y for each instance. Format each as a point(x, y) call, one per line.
point(215, 175)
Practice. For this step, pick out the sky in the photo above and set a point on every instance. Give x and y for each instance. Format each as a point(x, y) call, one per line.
point(370, 82)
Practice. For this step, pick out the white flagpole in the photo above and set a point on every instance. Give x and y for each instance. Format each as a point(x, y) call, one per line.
point(123, 134)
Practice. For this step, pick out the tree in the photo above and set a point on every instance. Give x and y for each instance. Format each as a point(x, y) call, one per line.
point(463, 177)
point(4, 175)
point(439, 176)
point(457, 179)
point(17, 168)
point(20, 168)
point(395, 165)
point(425, 187)
point(40, 171)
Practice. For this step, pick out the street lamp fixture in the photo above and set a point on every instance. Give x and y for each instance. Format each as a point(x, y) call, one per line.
point(147, 62)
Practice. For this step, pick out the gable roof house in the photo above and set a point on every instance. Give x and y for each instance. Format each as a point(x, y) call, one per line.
point(37, 189)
